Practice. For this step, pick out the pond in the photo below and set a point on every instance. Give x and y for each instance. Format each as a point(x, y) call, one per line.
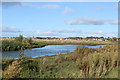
point(47, 50)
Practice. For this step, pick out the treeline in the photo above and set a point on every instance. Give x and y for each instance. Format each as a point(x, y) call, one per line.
point(18, 44)
point(81, 38)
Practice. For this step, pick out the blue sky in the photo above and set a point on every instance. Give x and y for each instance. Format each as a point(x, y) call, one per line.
point(60, 19)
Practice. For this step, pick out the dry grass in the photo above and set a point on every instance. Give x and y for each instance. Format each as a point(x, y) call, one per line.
point(81, 42)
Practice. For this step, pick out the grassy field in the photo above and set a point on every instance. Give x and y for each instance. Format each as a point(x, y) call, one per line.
point(82, 63)
point(78, 42)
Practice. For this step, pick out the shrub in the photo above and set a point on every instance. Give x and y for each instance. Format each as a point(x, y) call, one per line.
point(19, 39)
point(6, 63)
point(30, 69)
point(11, 45)
point(27, 41)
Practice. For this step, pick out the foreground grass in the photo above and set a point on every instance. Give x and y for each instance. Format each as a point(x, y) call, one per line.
point(82, 63)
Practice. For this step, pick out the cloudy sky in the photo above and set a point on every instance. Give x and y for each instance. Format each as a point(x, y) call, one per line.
point(60, 19)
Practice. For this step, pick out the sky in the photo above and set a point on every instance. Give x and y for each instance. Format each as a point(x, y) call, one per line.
point(60, 19)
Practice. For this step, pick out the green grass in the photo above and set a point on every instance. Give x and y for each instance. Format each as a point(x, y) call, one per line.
point(112, 73)
point(82, 63)
point(13, 45)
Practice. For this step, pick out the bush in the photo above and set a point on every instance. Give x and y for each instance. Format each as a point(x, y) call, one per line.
point(27, 41)
point(30, 69)
point(19, 39)
point(11, 45)
point(6, 63)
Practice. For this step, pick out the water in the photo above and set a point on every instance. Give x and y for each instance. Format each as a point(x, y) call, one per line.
point(47, 50)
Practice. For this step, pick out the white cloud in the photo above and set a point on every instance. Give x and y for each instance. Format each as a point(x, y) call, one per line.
point(42, 32)
point(13, 31)
point(91, 21)
point(15, 4)
point(72, 33)
point(97, 9)
point(24, 4)
point(67, 31)
point(31, 0)
point(80, 20)
point(10, 29)
point(57, 33)
point(62, 0)
point(49, 6)
point(114, 22)
point(100, 33)
point(11, 0)
point(67, 10)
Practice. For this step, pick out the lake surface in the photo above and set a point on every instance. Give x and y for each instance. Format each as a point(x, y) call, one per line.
point(47, 50)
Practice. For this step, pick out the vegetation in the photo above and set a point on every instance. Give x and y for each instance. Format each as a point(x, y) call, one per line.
point(19, 39)
point(82, 63)
point(77, 42)
point(81, 38)
point(27, 43)
point(11, 45)
point(18, 43)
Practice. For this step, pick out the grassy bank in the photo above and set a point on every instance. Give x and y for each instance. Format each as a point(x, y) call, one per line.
point(15, 44)
point(18, 43)
point(82, 63)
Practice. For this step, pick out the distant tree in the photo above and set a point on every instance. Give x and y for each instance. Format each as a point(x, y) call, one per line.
point(102, 37)
point(114, 39)
point(19, 39)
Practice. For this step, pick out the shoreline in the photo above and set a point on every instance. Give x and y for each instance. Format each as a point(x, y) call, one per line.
point(86, 46)
point(41, 44)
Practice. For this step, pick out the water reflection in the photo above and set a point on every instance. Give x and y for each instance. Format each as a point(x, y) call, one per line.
point(47, 50)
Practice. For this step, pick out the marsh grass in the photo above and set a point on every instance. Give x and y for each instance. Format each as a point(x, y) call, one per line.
point(18, 42)
point(82, 63)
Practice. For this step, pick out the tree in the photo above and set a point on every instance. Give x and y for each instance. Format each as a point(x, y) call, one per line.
point(19, 39)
